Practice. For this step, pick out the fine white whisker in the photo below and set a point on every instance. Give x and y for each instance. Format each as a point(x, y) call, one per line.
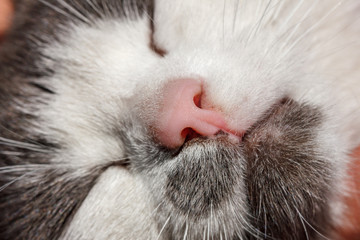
point(23, 168)
point(257, 26)
point(186, 230)
point(56, 9)
point(277, 11)
point(260, 203)
point(11, 153)
point(321, 235)
point(22, 145)
point(208, 229)
point(338, 49)
point(297, 25)
point(223, 26)
point(225, 231)
point(163, 228)
point(211, 215)
point(240, 236)
point(74, 11)
point(265, 219)
point(309, 30)
point(248, 227)
point(33, 142)
point(149, 17)
point(14, 180)
point(236, 9)
point(156, 208)
point(95, 8)
point(303, 224)
point(107, 11)
point(290, 16)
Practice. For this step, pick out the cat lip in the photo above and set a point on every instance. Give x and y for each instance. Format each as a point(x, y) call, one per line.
point(232, 136)
point(235, 136)
point(221, 135)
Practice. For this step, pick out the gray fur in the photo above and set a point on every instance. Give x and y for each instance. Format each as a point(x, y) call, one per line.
point(277, 171)
point(39, 199)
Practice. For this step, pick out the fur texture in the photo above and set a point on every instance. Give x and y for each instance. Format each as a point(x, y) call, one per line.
point(81, 86)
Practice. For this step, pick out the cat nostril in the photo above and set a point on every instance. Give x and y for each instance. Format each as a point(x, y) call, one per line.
point(197, 100)
point(181, 116)
point(189, 133)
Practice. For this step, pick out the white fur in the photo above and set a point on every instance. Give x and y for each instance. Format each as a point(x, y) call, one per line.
point(118, 207)
point(100, 70)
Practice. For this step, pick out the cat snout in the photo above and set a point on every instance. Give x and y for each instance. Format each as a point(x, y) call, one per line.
point(182, 115)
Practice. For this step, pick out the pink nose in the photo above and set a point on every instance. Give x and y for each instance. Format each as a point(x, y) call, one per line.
point(181, 111)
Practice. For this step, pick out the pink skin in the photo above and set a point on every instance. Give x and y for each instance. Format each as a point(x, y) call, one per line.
point(181, 111)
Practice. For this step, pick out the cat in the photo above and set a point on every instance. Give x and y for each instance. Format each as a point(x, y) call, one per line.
point(177, 119)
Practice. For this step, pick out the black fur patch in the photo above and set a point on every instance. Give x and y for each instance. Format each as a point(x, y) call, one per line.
point(40, 201)
point(203, 177)
point(37, 197)
point(288, 178)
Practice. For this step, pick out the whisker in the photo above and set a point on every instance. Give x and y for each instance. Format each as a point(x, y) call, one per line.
point(74, 11)
point(186, 230)
point(92, 5)
point(235, 15)
point(154, 211)
point(290, 16)
point(303, 224)
point(256, 29)
point(223, 26)
point(225, 231)
point(239, 236)
point(310, 224)
point(14, 180)
point(338, 49)
point(208, 229)
point(248, 227)
point(211, 214)
point(107, 11)
point(297, 25)
point(265, 220)
point(162, 229)
point(313, 27)
point(11, 153)
point(22, 145)
point(18, 135)
point(280, 7)
point(25, 167)
point(56, 9)
point(149, 17)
